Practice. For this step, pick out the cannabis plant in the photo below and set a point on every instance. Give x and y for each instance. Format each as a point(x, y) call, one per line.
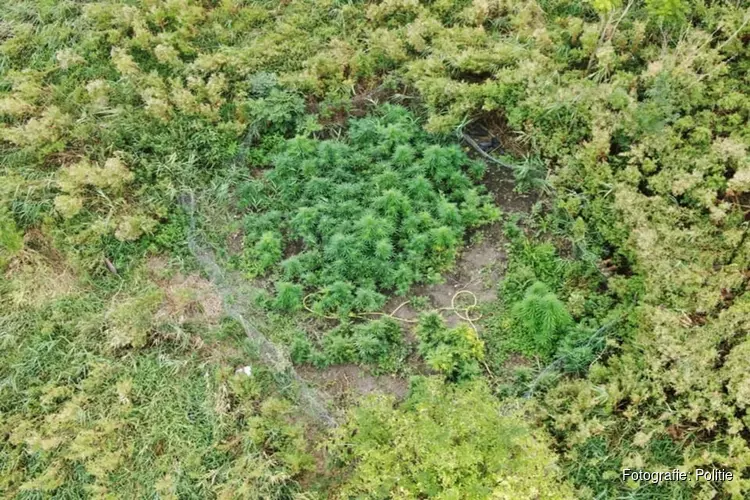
point(379, 210)
point(454, 352)
point(541, 319)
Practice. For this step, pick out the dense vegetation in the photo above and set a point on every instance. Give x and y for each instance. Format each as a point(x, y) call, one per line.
point(435, 443)
point(383, 213)
point(318, 144)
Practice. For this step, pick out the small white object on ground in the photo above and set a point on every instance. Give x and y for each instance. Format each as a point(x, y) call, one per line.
point(247, 370)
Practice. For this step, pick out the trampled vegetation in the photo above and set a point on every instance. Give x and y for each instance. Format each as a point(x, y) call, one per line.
point(339, 159)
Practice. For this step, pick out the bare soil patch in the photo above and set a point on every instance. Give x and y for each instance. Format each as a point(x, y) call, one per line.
point(478, 270)
point(348, 382)
point(187, 298)
point(500, 183)
point(235, 243)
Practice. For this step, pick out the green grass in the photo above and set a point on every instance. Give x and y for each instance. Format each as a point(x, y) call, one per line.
point(82, 418)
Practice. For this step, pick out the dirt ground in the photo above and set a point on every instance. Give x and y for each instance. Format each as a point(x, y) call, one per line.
point(478, 270)
point(348, 382)
point(479, 266)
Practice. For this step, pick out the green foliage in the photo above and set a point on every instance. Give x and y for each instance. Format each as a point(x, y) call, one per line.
point(579, 348)
point(454, 352)
point(301, 349)
point(372, 212)
point(162, 420)
point(552, 307)
point(671, 12)
point(265, 253)
point(11, 240)
point(378, 343)
point(530, 262)
point(605, 6)
point(338, 348)
point(445, 442)
point(288, 297)
point(276, 111)
point(530, 176)
point(108, 110)
point(541, 319)
point(591, 469)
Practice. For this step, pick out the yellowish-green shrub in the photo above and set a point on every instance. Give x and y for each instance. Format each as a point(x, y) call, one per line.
point(445, 441)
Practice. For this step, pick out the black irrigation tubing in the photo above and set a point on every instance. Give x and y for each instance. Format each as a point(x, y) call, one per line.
point(471, 142)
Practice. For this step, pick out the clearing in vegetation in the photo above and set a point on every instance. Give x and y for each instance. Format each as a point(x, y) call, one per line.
point(240, 241)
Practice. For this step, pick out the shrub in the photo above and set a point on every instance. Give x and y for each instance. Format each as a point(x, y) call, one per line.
point(542, 320)
point(266, 251)
point(301, 349)
point(276, 112)
point(454, 352)
point(338, 347)
point(445, 441)
point(288, 297)
point(378, 342)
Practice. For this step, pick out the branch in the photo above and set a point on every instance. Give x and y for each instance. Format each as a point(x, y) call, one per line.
point(624, 13)
point(736, 32)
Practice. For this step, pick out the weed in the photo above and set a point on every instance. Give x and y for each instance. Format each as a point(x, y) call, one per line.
point(372, 213)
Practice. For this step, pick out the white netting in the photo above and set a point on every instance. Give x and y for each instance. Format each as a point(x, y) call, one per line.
point(234, 294)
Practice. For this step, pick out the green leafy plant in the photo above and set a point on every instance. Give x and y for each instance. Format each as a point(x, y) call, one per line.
point(288, 297)
point(445, 441)
point(372, 213)
point(669, 12)
point(265, 252)
point(454, 352)
point(11, 240)
point(378, 343)
point(109, 110)
point(530, 175)
point(276, 111)
point(542, 320)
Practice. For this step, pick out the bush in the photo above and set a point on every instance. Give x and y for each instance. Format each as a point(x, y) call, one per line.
point(288, 297)
point(378, 342)
point(541, 319)
point(454, 352)
point(445, 441)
